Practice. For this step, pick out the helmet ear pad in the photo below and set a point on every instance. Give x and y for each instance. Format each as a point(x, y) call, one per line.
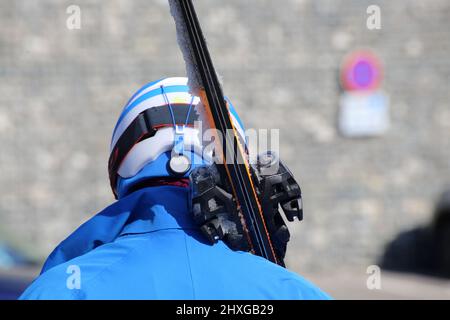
point(158, 168)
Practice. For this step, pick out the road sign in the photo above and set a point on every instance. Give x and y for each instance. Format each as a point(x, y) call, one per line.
point(363, 114)
point(361, 71)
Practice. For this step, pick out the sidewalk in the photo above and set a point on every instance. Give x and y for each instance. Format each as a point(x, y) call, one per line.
point(351, 284)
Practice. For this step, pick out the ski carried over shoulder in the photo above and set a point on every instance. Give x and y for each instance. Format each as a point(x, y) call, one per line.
point(259, 227)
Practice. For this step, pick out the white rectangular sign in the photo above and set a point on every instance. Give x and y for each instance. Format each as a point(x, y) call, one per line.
point(363, 114)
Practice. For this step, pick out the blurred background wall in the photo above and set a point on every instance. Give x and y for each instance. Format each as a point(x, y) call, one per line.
point(62, 90)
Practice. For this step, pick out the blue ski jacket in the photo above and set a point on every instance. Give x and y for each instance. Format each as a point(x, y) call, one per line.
point(146, 246)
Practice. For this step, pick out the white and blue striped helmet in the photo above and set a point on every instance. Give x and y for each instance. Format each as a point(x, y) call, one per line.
point(156, 121)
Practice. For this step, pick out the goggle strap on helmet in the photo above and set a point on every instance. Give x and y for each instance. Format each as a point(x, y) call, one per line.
point(144, 126)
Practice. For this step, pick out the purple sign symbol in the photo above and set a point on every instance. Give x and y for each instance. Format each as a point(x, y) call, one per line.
point(361, 71)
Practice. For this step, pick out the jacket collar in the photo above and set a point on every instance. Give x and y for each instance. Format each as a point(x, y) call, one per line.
point(158, 208)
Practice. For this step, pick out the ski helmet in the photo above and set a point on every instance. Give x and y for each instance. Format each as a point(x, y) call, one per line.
point(155, 136)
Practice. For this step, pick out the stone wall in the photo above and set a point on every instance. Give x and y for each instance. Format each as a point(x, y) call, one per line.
point(61, 91)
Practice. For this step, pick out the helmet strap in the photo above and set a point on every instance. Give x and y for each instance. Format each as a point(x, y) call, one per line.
point(179, 164)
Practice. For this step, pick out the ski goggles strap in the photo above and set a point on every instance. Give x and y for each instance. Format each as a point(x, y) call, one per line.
point(144, 126)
